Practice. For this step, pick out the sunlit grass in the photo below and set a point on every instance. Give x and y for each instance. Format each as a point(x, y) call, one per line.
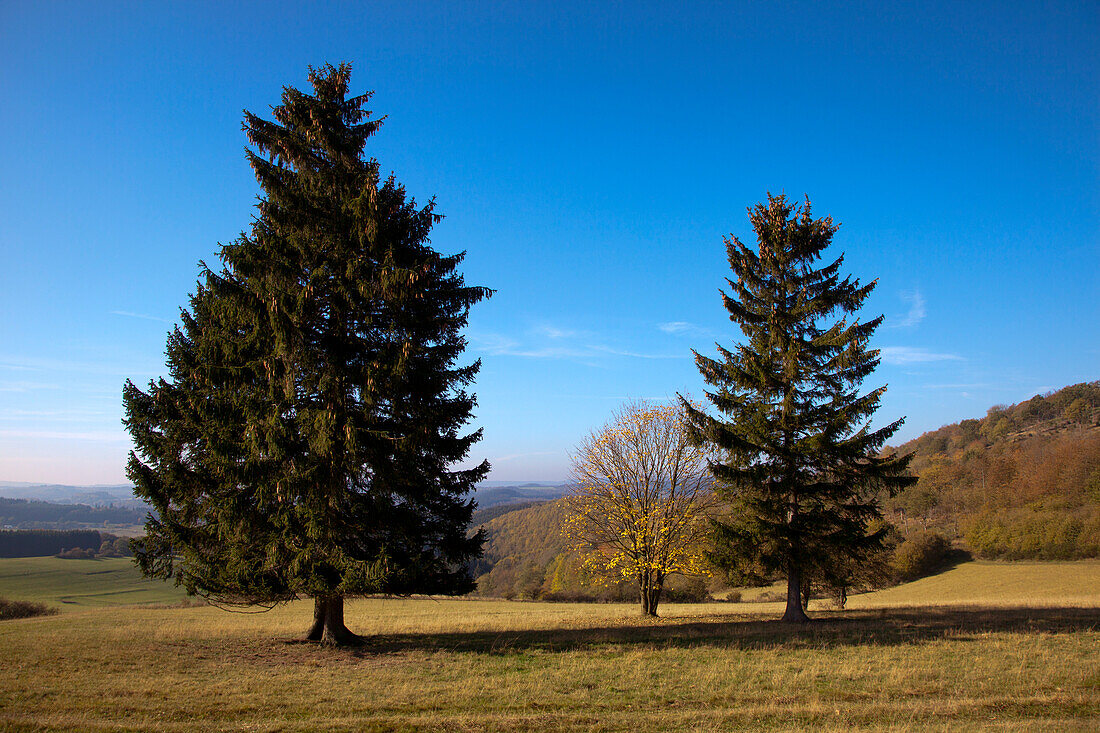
point(1074, 583)
point(497, 665)
point(77, 585)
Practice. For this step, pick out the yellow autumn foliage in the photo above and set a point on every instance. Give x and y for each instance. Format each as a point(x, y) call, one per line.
point(640, 497)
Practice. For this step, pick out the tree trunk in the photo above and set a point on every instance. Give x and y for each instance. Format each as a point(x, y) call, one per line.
point(794, 612)
point(654, 597)
point(328, 623)
point(649, 593)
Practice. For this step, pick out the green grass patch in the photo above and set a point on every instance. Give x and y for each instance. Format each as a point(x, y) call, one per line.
point(80, 585)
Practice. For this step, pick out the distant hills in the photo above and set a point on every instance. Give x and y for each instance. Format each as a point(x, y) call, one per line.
point(27, 505)
point(517, 493)
point(33, 514)
point(120, 495)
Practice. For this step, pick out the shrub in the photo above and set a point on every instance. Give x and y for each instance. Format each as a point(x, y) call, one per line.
point(76, 553)
point(1035, 533)
point(23, 609)
point(681, 589)
point(1078, 411)
point(921, 554)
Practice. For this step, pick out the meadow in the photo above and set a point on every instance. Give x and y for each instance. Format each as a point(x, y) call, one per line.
point(80, 585)
point(1002, 646)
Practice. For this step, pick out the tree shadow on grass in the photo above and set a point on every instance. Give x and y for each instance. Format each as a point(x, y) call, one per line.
point(872, 627)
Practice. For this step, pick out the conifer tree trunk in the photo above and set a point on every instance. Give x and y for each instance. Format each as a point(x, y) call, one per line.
point(328, 623)
point(794, 612)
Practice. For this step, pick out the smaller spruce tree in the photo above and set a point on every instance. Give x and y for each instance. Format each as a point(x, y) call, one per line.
point(802, 469)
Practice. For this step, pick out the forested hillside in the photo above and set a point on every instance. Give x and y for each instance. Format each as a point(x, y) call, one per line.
point(30, 514)
point(519, 545)
point(1021, 483)
point(528, 556)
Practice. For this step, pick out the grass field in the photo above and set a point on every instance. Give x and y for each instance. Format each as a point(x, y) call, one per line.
point(936, 664)
point(79, 585)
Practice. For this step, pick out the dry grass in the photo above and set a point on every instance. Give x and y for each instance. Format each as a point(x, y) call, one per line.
point(1073, 584)
point(495, 665)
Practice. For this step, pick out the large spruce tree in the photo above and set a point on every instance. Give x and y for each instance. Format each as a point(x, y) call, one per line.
point(304, 443)
point(801, 468)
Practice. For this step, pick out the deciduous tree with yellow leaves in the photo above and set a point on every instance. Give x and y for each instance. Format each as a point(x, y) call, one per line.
point(640, 498)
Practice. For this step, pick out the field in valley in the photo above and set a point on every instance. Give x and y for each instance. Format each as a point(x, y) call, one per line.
point(982, 646)
point(80, 585)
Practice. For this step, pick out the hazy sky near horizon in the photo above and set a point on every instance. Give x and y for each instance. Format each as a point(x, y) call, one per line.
point(589, 158)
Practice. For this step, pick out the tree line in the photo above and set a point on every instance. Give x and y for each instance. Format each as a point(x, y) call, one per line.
point(31, 514)
point(73, 544)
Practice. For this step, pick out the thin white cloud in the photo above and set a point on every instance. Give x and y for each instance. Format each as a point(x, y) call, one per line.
point(36, 364)
point(559, 334)
point(514, 456)
point(916, 310)
point(55, 415)
point(901, 355)
point(676, 326)
point(494, 344)
point(637, 355)
point(26, 386)
point(106, 436)
point(142, 316)
point(685, 328)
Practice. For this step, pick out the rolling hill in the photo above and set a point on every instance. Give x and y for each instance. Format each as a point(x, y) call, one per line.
point(1020, 483)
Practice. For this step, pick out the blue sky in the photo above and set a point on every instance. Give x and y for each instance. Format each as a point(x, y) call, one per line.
point(589, 157)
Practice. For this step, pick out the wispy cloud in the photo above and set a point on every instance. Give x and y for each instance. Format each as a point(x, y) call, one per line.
point(108, 436)
point(37, 364)
point(901, 355)
point(636, 354)
point(514, 456)
point(685, 328)
point(547, 342)
point(495, 344)
point(916, 310)
point(560, 334)
point(55, 416)
point(26, 386)
point(142, 316)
